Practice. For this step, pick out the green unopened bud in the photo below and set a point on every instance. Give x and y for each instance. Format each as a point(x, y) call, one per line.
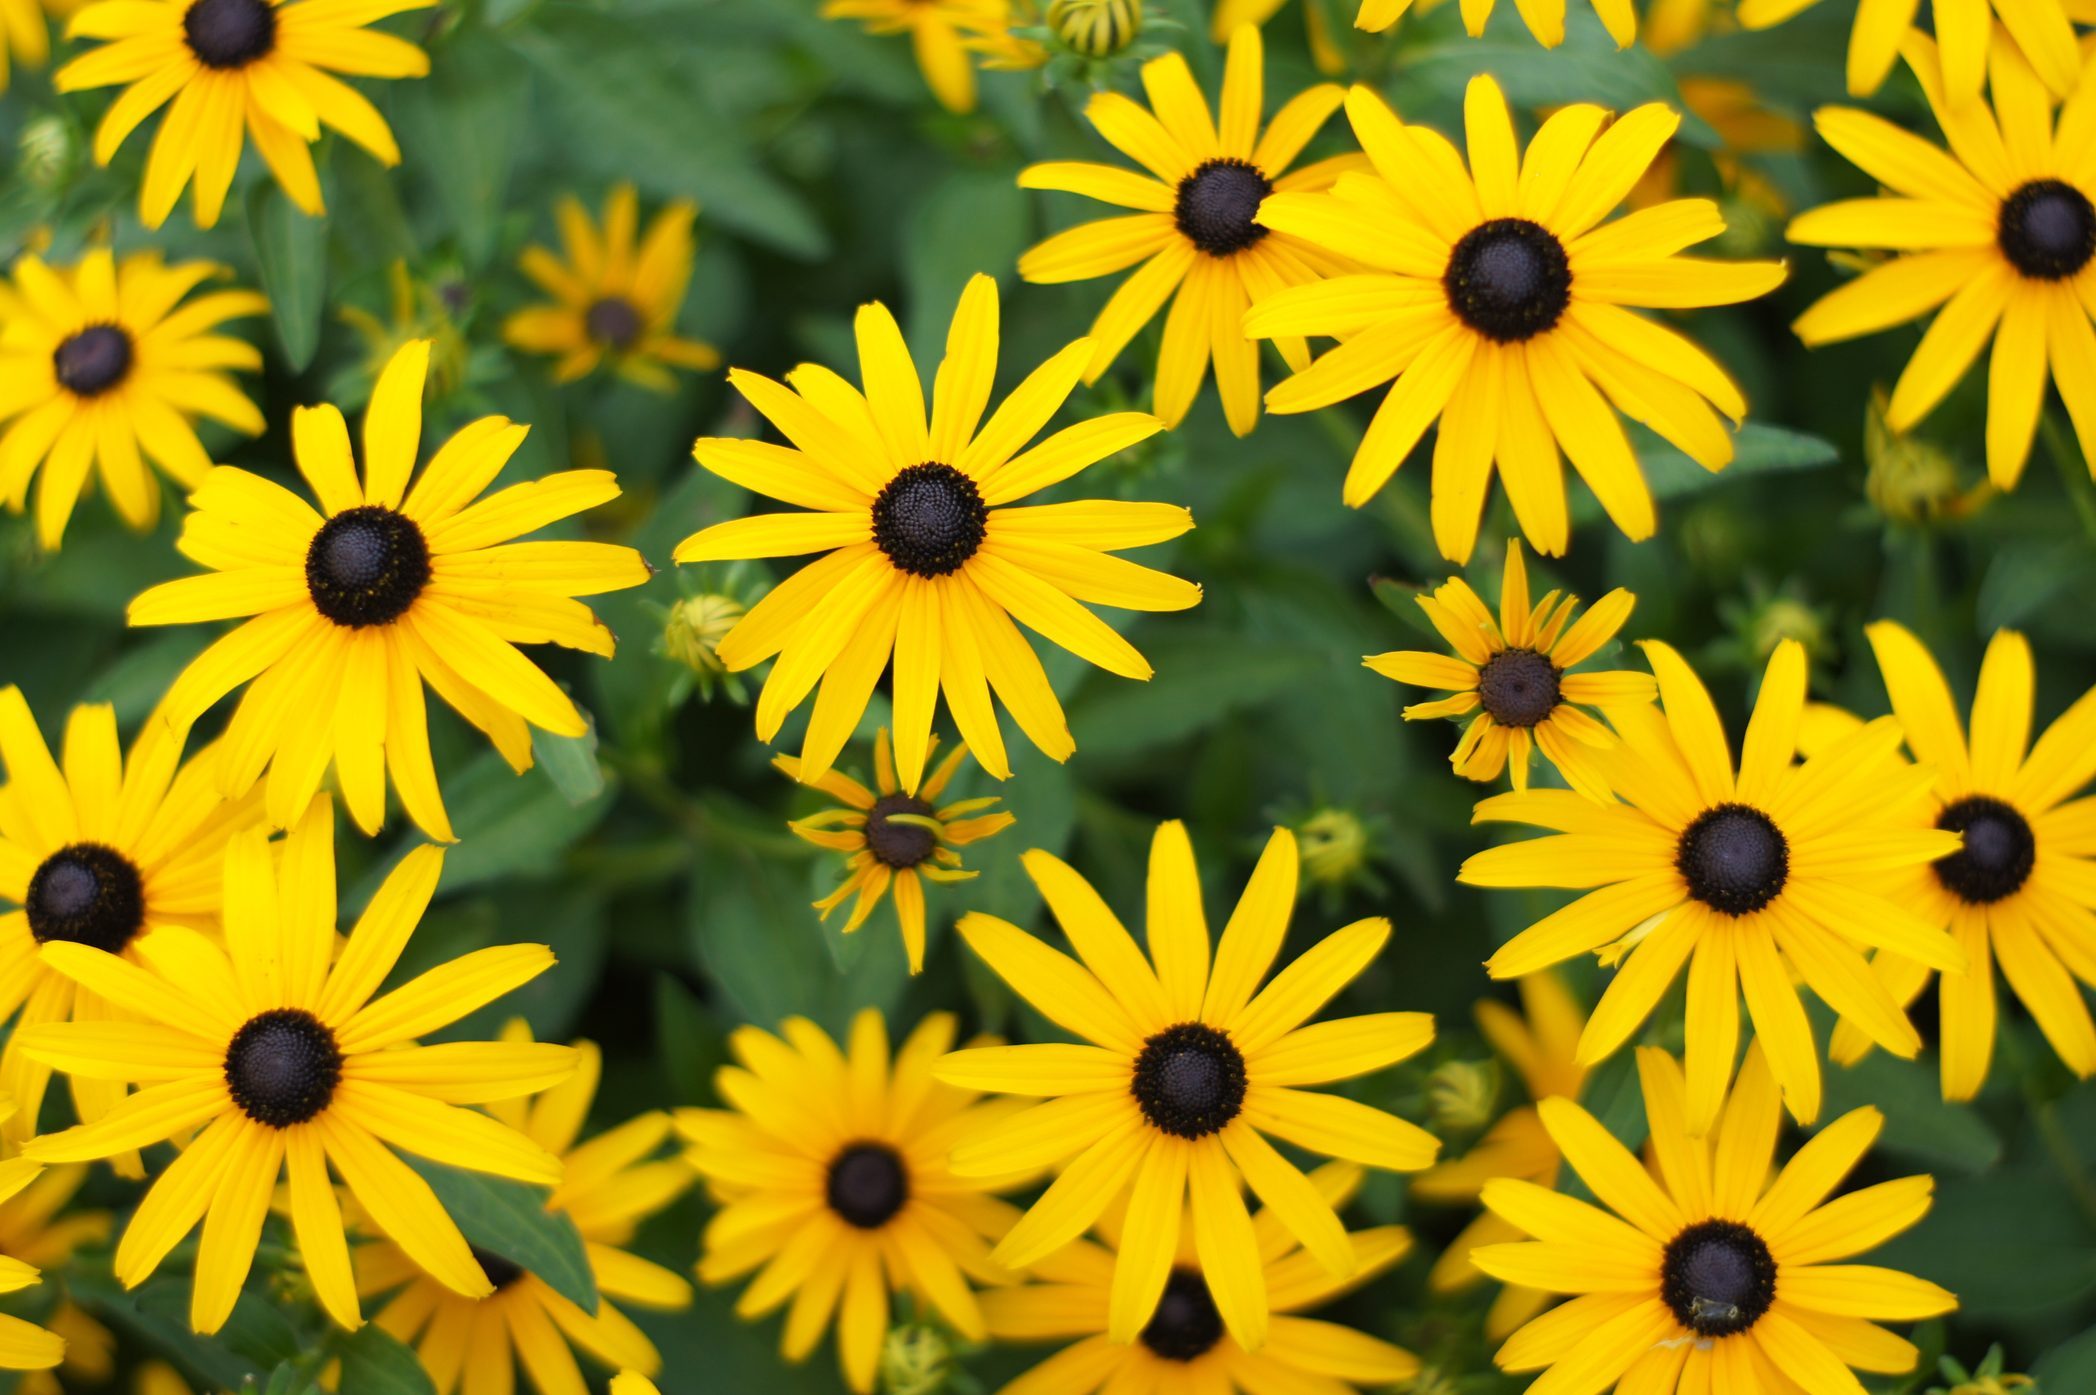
point(1433, 1382)
point(1910, 480)
point(1096, 28)
point(694, 630)
point(1463, 1096)
point(1781, 618)
point(1987, 1378)
point(1334, 847)
point(49, 153)
point(916, 1360)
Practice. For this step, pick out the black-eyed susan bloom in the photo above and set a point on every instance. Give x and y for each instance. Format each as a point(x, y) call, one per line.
point(616, 293)
point(831, 1169)
point(23, 1345)
point(282, 1059)
point(351, 610)
point(923, 558)
point(1500, 301)
point(1747, 876)
point(894, 840)
point(1194, 236)
point(1999, 232)
point(1512, 673)
point(1185, 1069)
point(609, 1185)
point(107, 365)
point(2039, 29)
point(942, 34)
point(2020, 894)
point(228, 70)
point(1541, 1043)
point(1184, 1349)
point(1720, 1273)
point(96, 848)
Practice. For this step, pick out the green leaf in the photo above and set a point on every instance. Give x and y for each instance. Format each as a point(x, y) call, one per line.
point(690, 1046)
point(2070, 1366)
point(974, 220)
point(1199, 678)
point(256, 1340)
point(510, 1219)
point(375, 1362)
point(462, 123)
point(1757, 449)
point(1918, 1123)
point(291, 251)
point(570, 762)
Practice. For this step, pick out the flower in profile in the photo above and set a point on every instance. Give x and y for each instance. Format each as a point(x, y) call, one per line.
point(922, 558)
point(1184, 1071)
point(2020, 893)
point(274, 1054)
point(1719, 1273)
point(36, 1228)
point(1997, 232)
point(1511, 672)
point(1748, 876)
point(104, 367)
point(348, 612)
point(235, 68)
point(2036, 30)
point(941, 32)
point(1184, 1349)
point(1540, 1042)
point(100, 849)
point(894, 839)
point(616, 293)
point(1194, 227)
point(23, 1345)
point(609, 1185)
point(831, 1170)
point(1499, 300)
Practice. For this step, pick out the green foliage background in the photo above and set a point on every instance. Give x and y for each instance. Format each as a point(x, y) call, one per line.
point(654, 858)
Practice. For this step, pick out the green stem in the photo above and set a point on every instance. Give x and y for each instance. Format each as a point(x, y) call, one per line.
point(2073, 470)
point(2045, 1113)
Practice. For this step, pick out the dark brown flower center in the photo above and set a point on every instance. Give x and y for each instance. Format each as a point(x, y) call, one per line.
point(613, 322)
point(501, 1272)
point(1734, 859)
point(230, 33)
point(1189, 1080)
point(867, 1185)
point(1508, 279)
point(282, 1067)
point(93, 361)
point(1519, 687)
point(1216, 205)
point(1186, 1325)
point(1718, 1277)
point(88, 894)
point(899, 844)
point(2047, 230)
point(1998, 855)
point(366, 566)
point(930, 519)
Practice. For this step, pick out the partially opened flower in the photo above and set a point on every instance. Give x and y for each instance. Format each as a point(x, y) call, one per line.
point(1719, 1274)
point(1747, 876)
point(1184, 1070)
point(1193, 226)
point(1511, 672)
point(1184, 1349)
point(280, 1056)
point(895, 840)
point(942, 33)
point(105, 366)
point(349, 611)
point(616, 293)
point(922, 558)
point(1500, 301)
point(2038, 29)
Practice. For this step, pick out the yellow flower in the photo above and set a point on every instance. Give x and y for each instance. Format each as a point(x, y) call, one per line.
point(608, 1186)
point(1748, 876)
point(940, 31)
point(831, 1169)
point(25, 37)
point(632, 1383)
point(1498, 302)
point(352, 612)
point(1194, 230)
point(262, 66)
point(617, 293)
point(274, 1053)
point(1999, 233)
point(2021, 892)
point(1512, 674)
point(894, 840)
point(1545, 18)
point(1186, 1068)
point(100, 850)
point(23, 1345)
point(33, 1231)
point(1716, 1275)
point(2038, 29)
point(1184, 1349)
point(103, 367)
point(922, 558)
point(1542, 1050)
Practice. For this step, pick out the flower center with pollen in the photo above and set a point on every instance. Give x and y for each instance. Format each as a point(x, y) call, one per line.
point(282, 1067)
point(1734, 859)
point(230, 33)
point(1508, 279)
point(501, 1272)
point(930, 519)
point(93, 361)
point(867, 1185)
point(899, 844)
point(1186, 1324)
point(1519, 687)
point(366, 566)
point(1998, 855)
point(1216, 204)
point(613, 322)
point(2047, 230)
point(1718, 1277)
point(1189, 1080)
point(88, 894)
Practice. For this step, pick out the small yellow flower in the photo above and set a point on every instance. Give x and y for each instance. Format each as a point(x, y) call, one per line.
point(940, 31)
